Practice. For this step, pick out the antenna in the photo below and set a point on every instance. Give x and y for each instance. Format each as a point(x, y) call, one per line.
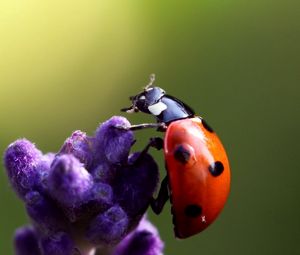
point(152, 79)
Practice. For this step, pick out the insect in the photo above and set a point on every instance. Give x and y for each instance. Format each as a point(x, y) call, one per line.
point(198, 173)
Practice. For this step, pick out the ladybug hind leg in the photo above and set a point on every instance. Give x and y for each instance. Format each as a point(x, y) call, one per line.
point(157, 204)
point(163, 196)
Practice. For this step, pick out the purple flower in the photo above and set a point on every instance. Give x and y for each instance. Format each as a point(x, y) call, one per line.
point(105, 172)
point(89, 196)
point(143, 240)
point(21, 159)
point(57, 244)
point(26, 241)
point(43, 168)
point(102, 194)
point(80, 145)
point(113, 143)
point(68, 180)
point(44, 213)
point(109, 227)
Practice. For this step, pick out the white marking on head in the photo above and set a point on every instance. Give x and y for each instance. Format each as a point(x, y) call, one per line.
point(157, 108)
point(148, 89)
point(142, 98)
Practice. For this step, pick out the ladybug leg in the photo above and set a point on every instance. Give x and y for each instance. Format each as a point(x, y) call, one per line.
point(157, 204)
point(159, 126)
point(155, 142)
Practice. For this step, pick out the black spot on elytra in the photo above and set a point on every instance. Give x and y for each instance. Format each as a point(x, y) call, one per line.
point(206, 126)
point(216, 168)
point(193, 210)
point(182, 155)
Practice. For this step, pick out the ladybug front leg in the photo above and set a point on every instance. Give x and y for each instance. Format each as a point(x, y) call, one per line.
point(157, 204)
point(159, 126)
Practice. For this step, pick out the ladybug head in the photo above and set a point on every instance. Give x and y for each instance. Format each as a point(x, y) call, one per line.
point(145, 99)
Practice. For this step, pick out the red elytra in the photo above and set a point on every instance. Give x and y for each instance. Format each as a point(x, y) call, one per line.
point(198, 173)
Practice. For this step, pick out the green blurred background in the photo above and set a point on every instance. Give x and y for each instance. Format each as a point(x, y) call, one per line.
point(67, 65)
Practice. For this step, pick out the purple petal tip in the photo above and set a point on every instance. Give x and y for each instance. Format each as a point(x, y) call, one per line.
point(144, 240)
point(69, 181)
point(26, 241)
point(109, 227)
point(79, 145)
point(113, 142)
point(59, 244)
point(21, 159)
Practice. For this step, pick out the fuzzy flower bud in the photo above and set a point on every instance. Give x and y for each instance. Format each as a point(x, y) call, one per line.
point(102, 194)
point(43, 211)
point(69, 183)
point(79, 145)
point(104, 172)
point(108, 228)
point(57, 244)
point(21, 159)
point(26, 241)
point(43, 168)
point(115, 143)
point(143, 240)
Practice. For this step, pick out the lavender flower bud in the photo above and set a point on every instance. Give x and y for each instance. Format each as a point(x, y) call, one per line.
point(21, 159)
point(43, 168)
point(109, 227)
point(104, 173)
point(44, 213)
point(57, 244)
point(102, 193)
point(79, 145)
point(99, 200)
point(69, 184)
point(135, 184)
point(45, 163)
point(114, 143)
point(144, 240)
point(26, 241)
point(68, 181)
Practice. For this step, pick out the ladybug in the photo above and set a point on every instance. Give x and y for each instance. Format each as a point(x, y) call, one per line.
point(198, 172)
